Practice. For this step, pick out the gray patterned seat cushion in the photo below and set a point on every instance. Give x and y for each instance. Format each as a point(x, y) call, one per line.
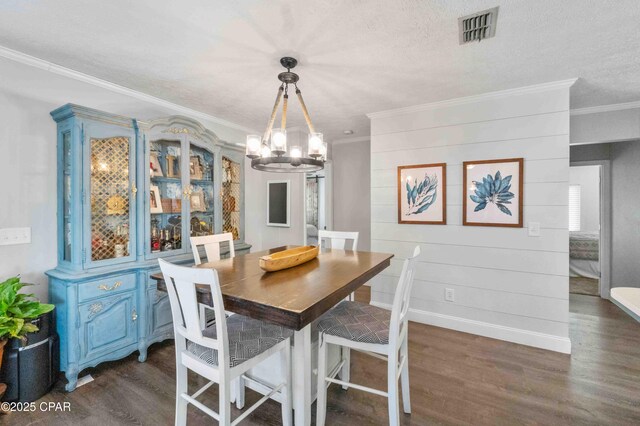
point(247, 338)
point(358, 322)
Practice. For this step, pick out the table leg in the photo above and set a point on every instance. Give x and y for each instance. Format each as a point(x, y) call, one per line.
point(302, 376)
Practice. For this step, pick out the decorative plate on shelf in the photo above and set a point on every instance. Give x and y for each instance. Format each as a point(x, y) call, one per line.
point(116, 205)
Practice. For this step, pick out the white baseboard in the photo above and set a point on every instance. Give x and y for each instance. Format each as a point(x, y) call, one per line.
point(500, 332)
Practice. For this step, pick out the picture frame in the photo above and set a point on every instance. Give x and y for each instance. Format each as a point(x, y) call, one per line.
point(155, 202)
point(422, 194)
point(173, 166)
point(195, 167)
point(156, 169)
point(487, 203)
point(279, 203)
point(197, 202)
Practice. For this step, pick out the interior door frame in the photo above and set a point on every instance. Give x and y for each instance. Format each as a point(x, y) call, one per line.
point(605, 222)
point(328, 200)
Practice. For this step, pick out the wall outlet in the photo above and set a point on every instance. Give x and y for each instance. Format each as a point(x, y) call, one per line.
point(449, 294)
point(10, 236)
point(534, 229)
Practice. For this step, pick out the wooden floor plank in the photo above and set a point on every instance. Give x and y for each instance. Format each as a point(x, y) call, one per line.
point(456, 378)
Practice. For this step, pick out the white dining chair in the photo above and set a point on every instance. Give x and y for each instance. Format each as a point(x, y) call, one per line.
point(338, 239)
point(376, 332)
point(212, 248)
point(223, 352)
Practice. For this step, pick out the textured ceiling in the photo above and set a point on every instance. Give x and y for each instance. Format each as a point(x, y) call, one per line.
point(221, 57)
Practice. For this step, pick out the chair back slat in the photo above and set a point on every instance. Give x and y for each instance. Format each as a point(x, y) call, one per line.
point(181, 287)
point(338, 239)
point(212, 246)
point(402, 298)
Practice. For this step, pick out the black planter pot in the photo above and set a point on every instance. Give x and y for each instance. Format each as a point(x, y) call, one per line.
point(31, 369)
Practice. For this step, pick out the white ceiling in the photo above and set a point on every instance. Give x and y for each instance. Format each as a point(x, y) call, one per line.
point(221, 57)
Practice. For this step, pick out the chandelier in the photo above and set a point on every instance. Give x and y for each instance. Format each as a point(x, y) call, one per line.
point(269, 153)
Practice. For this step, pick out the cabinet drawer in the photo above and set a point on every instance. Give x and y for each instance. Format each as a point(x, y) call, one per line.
point(106, 286)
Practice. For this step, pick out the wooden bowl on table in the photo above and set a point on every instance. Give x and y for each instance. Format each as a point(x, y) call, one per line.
point(288, 258)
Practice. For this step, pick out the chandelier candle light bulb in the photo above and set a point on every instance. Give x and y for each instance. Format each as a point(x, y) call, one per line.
point(265, 152)
point(296, 155)
point(279, 141)
point(253, 146)
point(315, 145)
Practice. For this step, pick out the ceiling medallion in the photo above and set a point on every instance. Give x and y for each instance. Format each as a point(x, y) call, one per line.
point(269, 153)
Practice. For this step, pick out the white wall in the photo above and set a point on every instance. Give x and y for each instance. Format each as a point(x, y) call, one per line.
point(605, 126)
point(28, 161)
point(625, 206)
point(625, 244)
point(351, 193)
point(588, 177)
point(507, 285)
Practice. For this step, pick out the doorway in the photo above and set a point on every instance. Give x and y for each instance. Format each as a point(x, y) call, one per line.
point(317, 203)
point(588, 237)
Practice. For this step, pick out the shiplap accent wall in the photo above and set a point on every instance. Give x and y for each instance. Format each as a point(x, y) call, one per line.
point(507, 285)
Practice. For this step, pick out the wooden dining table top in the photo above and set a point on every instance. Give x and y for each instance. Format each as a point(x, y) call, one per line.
point(292, 297)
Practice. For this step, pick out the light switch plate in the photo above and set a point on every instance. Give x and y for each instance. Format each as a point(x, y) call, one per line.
point(10, 236)
point(534, 229)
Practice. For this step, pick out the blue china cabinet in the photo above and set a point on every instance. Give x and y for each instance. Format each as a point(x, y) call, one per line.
point(130, 192)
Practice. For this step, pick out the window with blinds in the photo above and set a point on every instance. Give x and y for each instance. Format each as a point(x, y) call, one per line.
point(574, 207)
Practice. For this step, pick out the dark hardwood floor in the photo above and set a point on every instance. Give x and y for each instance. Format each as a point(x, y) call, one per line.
point(456, 378)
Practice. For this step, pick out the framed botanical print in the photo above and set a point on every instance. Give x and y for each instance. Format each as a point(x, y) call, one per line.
point(492, 192)
point(422, 194)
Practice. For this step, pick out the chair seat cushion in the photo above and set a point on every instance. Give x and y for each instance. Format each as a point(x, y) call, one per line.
point(247, 339)
point(358, 322)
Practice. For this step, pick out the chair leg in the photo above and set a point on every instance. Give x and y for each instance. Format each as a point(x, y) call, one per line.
point(322, 385)
point(404, 377)
point(345, 372)
point(224, 410)
point(181, 387)
point(287, 401)
point(237, 392)
point(392, 384)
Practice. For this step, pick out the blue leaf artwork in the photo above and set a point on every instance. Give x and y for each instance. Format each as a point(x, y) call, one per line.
point(422, 194)
point(493, 190)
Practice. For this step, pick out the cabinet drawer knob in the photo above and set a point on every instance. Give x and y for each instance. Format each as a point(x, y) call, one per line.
point(107, 288)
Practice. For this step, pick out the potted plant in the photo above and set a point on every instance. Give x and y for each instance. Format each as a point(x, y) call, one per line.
point(17, 310)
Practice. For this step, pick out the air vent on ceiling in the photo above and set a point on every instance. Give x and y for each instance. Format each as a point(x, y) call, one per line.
point(478, 26)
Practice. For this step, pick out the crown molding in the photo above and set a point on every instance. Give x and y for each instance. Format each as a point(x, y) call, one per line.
point(351, 140)
point(562, 84)
point(605, 108)
point(23, 58)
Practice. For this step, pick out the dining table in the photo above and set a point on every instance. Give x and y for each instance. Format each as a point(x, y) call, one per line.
point(293, 297)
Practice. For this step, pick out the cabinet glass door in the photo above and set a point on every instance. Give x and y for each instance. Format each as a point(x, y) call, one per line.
point(166, 196)
point(201, 191)
point(231, 197)
point(66, 196)
point(110, 202)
